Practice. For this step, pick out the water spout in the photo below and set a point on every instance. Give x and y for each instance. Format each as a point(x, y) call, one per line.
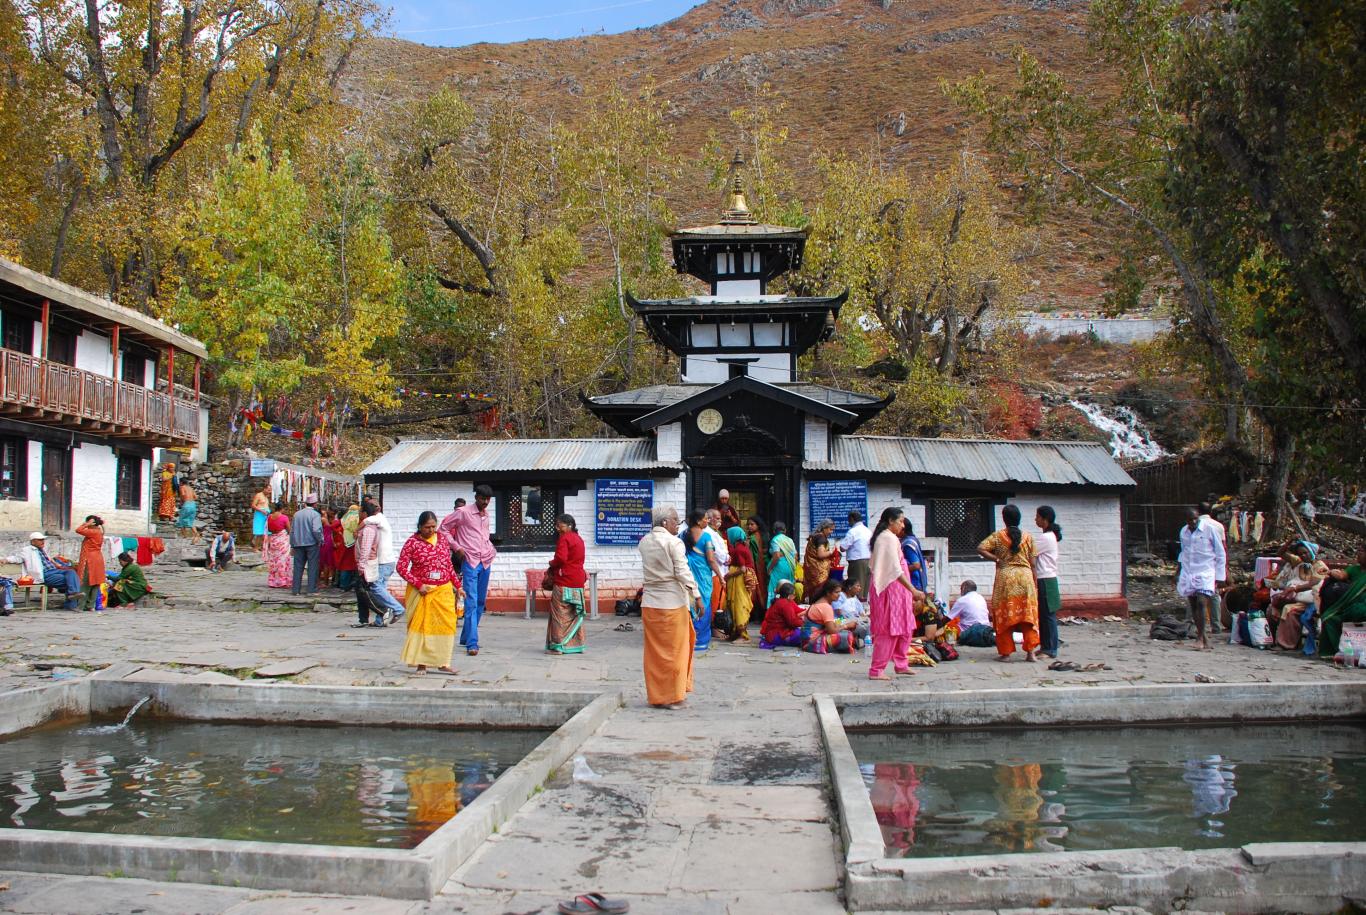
point(115, 728)
point(134, 710)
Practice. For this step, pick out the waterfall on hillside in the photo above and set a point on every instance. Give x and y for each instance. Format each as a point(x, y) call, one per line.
point(1130, 440)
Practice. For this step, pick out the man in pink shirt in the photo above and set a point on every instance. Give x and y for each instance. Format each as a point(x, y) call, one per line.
point(466, 531)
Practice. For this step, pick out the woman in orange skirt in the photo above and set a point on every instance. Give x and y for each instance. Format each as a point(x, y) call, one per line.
point(1014, 596)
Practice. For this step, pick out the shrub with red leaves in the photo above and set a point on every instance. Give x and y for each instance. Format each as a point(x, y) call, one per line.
point(1013, 414)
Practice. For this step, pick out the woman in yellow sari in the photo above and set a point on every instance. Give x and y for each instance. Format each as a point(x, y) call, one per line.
point(425, 564)
point(1014, 595)
point(741, 583)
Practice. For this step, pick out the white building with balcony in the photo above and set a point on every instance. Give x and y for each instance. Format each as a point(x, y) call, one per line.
point(87, 395)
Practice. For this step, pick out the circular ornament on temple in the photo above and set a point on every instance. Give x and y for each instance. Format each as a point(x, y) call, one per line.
point(709, 421)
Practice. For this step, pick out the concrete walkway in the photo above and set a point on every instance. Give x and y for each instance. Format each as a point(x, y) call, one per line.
point(721, 808)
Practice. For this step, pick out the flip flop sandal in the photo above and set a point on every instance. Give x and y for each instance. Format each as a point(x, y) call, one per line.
point(360, 625)
point(1062, 665)
point(625, 627)
point(593, 902)
point(1089, 668)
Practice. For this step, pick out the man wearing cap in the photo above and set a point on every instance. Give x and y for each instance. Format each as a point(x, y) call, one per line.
point(41, 567)
point(729, 516)
point(305, 541)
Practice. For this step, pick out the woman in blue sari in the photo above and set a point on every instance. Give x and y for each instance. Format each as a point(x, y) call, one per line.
point(782, 559)
point(703, 564)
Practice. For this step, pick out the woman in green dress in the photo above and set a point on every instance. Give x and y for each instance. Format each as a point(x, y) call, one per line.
point(131, 584)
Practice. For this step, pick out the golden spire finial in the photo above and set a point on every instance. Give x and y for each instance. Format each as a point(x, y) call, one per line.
point(737, 210)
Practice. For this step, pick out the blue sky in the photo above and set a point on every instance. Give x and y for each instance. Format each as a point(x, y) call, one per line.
point(457, 22)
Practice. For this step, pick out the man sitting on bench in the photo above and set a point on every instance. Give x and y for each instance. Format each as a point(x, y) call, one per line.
point(44, 570)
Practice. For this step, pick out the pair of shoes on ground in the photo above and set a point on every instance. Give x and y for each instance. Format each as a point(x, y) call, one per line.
point(1083, 668)
point(590, 903)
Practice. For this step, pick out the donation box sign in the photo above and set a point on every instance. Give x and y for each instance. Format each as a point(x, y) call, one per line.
point(835, 499)
point(623, 511)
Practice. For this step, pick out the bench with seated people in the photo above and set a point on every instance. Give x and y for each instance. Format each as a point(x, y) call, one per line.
point(46, 573)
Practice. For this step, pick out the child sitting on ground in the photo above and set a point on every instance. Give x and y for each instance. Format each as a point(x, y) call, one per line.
point(849, 607)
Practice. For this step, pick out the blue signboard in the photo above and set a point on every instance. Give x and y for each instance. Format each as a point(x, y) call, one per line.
point(262, 468)
point(835, 499)
point(623, 511)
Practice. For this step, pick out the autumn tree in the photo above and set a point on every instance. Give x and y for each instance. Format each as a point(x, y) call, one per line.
point(288, 300)
point(155, 92)
point(620, 163)
point(1266, 177)
point(930, 263)
point(1114, 152)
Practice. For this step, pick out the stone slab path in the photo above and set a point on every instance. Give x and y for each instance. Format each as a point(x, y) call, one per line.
point(721, 808)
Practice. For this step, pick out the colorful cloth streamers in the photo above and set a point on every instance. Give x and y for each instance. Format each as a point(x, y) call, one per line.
point(453, 395)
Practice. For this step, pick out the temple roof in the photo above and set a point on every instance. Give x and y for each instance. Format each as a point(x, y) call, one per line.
point(812, 318)
point(629, 411)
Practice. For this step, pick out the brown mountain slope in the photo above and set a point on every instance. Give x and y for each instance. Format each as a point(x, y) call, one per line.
point(855, 74)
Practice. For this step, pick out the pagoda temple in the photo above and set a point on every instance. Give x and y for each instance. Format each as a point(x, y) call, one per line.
point(740, 418)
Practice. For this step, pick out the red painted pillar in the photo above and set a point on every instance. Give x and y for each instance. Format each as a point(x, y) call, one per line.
point(118, 370)
point(42, 354)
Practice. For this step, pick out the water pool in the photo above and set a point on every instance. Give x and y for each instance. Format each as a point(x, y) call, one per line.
point(379, 787)
point(948, 793)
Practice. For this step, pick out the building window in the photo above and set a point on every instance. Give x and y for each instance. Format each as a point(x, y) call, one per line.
point(751, 261)
point(524, 516)
point(17, 332)
point(963, 522)
point(725, 262)
point(14, 468)
point(128, 482)
point(133, 369)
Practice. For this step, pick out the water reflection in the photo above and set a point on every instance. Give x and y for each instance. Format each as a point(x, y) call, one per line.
point(938, 794)
point(384, 787)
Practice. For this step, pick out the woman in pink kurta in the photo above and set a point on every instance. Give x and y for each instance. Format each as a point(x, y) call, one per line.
point(891, 614)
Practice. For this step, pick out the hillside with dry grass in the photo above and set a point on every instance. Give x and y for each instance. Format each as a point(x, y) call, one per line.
point(855, 75)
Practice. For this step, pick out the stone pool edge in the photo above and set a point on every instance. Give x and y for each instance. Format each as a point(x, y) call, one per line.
point(417, 873)
point(1264, 877)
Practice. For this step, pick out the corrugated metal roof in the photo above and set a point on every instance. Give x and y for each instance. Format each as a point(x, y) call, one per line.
point(550, 454)
point(983, 460)
point(661, 395)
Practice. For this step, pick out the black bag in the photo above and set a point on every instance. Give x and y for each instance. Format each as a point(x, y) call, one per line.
point(946, 651)
point(1168, 628)
point(932, 651)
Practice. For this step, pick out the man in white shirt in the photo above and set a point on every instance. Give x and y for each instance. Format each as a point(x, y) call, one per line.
point(1200, 566)
point(45, 570)
point(375, 545)
point(1206, 517)
point(974, 619)
point(857, 549)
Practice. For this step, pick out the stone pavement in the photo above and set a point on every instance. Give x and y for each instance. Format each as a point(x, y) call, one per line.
point(721, 808)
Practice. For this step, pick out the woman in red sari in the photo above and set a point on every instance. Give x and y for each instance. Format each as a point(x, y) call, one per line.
point(279, 558)
point(327, 550)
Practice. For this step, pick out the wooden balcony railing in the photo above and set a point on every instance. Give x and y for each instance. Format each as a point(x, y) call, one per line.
point(67, 396)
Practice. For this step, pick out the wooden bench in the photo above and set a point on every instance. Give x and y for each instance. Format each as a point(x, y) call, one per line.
point(13, 571)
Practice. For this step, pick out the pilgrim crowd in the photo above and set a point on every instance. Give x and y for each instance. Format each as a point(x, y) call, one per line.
point(717, 576)
point(1297, 602)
